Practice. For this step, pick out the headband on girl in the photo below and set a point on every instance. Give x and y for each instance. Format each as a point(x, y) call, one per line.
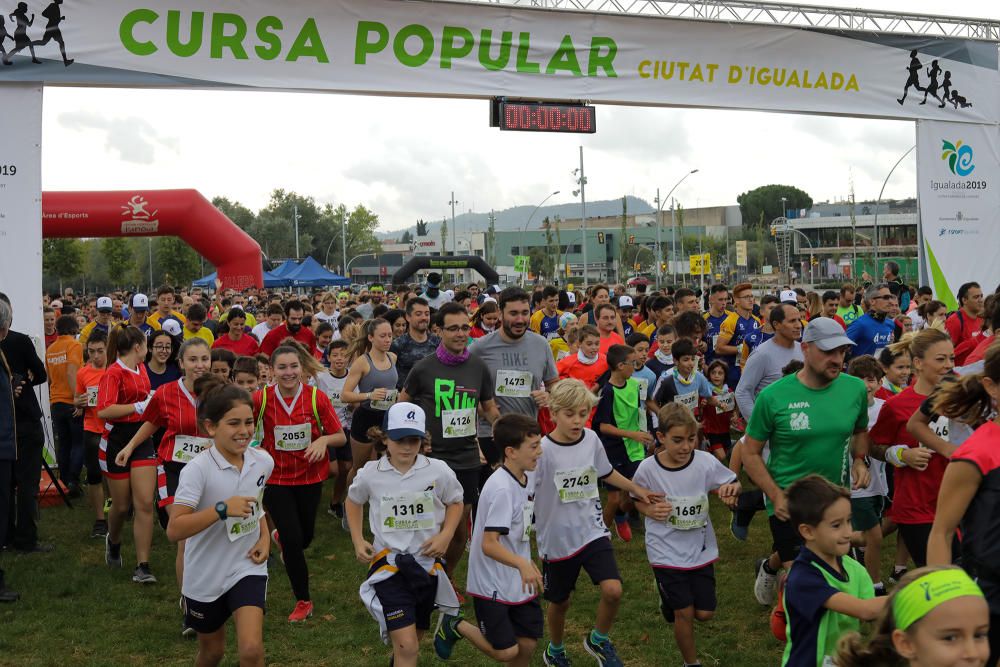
point(923, 595)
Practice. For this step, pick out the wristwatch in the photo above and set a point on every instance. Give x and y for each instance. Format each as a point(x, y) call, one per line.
point(221, 510)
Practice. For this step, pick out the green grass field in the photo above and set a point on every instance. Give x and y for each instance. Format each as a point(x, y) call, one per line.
point(76, 611)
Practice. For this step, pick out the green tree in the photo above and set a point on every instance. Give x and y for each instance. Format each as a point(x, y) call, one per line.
point(176, 260)
point(763, 204)
point(444, 235)
point(551, 251)
point(407, 237)
point(421, 228)
point(622, 240)
point(235, 211)
point(275, 226)
point(63, 258)
point(540, 261)
point(118, 258)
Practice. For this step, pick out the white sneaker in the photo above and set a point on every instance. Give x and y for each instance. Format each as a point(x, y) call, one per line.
point(765, 588)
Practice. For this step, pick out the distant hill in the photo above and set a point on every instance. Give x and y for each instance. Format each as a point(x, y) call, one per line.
point(512, 219)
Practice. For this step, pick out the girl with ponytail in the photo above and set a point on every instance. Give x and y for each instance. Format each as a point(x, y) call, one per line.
point(970, 490)
point(122, 398)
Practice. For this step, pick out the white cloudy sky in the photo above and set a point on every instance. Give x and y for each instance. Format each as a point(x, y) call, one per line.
point(244, 144)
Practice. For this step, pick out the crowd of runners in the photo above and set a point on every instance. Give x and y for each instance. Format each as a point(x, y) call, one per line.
point(533, 433)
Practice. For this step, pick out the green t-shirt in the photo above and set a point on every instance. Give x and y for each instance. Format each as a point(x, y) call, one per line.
point(809, 430)
point(630, 416)
point(812, 630)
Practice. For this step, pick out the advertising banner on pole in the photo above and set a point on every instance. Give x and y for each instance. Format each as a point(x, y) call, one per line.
point(701, 265)
point(958, 186)
point(741, 253)
point(484, 50)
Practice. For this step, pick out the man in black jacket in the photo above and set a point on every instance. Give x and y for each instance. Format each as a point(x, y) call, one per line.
point(27, 371)
point(8, 444)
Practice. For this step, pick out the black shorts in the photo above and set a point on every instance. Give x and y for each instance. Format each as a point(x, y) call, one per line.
point(168, 475)
point(469, 479)
point(143, 455)
point(787, 540)
point(364, 419)
point(597, 559)
point(721, 441)
point(866, 513)
point(623, 467)
point(503, 623)
point(207, 617)
point(402, 606)
point(342, 453)
point(680, 589)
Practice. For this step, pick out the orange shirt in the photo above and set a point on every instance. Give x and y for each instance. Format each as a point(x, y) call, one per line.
point(611, 339)
point(88, 379)
point(64, 351)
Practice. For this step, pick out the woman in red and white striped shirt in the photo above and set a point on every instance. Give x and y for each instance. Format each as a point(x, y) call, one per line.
point(122, 397)
point(296, 423)
point(174, 407)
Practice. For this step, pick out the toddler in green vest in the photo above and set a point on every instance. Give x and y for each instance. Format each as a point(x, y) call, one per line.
point(827, 592)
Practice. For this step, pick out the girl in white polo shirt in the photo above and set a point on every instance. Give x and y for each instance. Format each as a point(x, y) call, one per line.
point(415, 504)
point(218, 512)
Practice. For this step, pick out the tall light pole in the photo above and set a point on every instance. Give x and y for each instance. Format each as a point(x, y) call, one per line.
point(295, 214)
point(582, 182)
point(659, 225)
point(343, 240)
point(878, 202)
point(454, 232)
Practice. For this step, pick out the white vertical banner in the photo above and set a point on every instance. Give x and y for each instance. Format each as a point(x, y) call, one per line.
point(958, 174)
point(21, 207)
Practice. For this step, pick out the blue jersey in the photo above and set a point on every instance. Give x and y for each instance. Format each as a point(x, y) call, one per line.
point(714, 327)
point(869, 335)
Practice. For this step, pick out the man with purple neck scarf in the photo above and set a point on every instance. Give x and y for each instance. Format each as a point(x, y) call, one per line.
point(452, 388)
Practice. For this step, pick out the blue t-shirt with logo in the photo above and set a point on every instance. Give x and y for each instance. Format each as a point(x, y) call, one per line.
point(870, 335)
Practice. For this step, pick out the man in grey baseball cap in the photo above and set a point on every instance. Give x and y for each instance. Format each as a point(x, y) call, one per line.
point(815, 422)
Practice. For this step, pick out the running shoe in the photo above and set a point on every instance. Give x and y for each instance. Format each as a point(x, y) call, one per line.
point(303, 610)
point(623, 529)
point(560, 659)
point(343, 524)
point(766, 584)
point(187, 632)
point(99, 530)
point(143, 575)
point(446, 635)
point(112, 552)
point(277, 542)
point(335, 510)
point(897, 574)
point(604, 653)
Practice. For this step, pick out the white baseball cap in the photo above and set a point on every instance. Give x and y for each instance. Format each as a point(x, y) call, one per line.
point(625, 301)
point(104, 305)
point(172, 327)
point(56, 304)
point(789, 295)
point(140, 302)
point(404, 420)
point(571, 297)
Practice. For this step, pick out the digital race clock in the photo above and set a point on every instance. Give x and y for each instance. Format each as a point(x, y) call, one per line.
point(544, 117)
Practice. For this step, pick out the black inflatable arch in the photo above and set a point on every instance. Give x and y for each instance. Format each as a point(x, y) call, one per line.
point(438, 262)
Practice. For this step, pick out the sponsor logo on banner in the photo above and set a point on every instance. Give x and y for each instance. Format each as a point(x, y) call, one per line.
point(938, 85)
point(959, 157)
point(141, 220)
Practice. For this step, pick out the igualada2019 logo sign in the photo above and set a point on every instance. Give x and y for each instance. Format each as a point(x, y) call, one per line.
point(959, 157)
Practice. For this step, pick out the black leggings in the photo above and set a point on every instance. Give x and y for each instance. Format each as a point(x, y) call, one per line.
point(915, 536)
point(292, 511)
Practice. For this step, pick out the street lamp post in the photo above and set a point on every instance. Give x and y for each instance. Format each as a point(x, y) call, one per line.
point(454, 232)
point(878, 202)
point(659, 225)
point(524, 230)
point(295, 214)
point(347, 270)
point(582, 182)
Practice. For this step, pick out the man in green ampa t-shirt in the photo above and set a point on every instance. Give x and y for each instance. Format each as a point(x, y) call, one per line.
point(813, 421)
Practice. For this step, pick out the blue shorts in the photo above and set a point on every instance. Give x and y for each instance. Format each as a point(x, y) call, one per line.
point(207, 617)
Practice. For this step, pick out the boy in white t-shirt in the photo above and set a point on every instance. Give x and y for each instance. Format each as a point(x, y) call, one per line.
point(570, 524)
point(414, 506)
point(868, 504)
point(504, 582)
point(680, 539)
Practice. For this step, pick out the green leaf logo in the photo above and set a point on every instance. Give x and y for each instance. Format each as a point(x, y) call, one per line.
point(959, 157)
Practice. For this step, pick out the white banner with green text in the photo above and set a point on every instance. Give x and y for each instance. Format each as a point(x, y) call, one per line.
point(958, 186)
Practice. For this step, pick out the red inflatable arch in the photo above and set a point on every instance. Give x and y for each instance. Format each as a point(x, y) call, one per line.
point(183, 213)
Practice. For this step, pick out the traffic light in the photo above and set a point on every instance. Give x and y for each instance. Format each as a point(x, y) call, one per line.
point(663, 266)
point(600, 237)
